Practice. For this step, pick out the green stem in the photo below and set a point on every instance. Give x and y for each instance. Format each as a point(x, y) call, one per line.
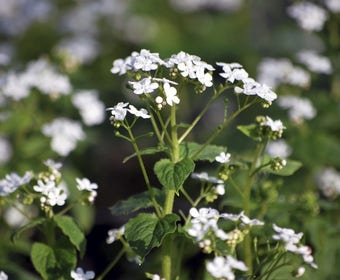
point(111, 265)
point(144, 172)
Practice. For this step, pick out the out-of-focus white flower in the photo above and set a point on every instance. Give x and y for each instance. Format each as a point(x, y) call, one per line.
point(188, 6)
point(279, 148)
point(5, 150)
point(223, 157)
point(80, 274)
point(274, 72)
point(85, 185)
point(65, 134)
point(3, 275)
point(15, 218)
point(144, 86)
point(315, 62)
point(13, 181)
point(243, 218)
point(276, 125)
point(114, 234)
point(52, 194)
point(316, 18)
point(299, 108)
point(333, 5)
point(91, 109)
point(222, 267)
point(328, 181)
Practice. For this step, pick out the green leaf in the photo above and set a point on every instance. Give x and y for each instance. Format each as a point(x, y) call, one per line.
point(17, 233)
point(72, 231)
point(147, 151)
point(43, 259)
point(189, 149)
point(136, 202)
point(146, 231)
point(172, 175)
point(290, 168)
point(250, 130)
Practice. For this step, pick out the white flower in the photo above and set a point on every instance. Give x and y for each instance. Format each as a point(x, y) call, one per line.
point(203, 176)
point(233, 71)
point(243, 218)
point(219, 189)
point(119, 111)
point(316, 18)
point(299, 108)
point(143, 113)
point(52, 194)
point(65, 134)
point(315, 62)
point(144, 86)
point(286, 235)
point(85, 184)
point(13, 181)
point(3, 275)
point(79, 274)
point(223, 157)
point(115, 234)
point(278, 148)
point(91, 109)
point(222, 267)
point(120, 66)
point(5, 150)
point(170, 93)
point(273, 125)
point(157, 277)
point(328, 181)
point(15, 86)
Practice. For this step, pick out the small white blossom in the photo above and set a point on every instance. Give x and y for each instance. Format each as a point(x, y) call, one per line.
point(233, 72)
point(171, 94)
point(157, 277)
point(119, 111)
point(300, 271)
point(276, 125)
point(13, 181)
point(220, 189)
point(15, 86)
point(222, 267)
point(115, 234)
point(316, 18)
point(65, 134)
point(299, 109)
point(286, 235)
point(203, 176)
point(144, 86)
point(328, 181)
point(223, 157)
point(143, 113)
point(52, 194)
point(91, 109)
point(80, 274)
point(315, 62)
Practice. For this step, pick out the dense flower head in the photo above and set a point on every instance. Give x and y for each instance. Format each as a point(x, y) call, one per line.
point(299, 108)
point(91, 109)
point(13, 181)
point(315, 62)
point(274, 72)
point(80, 274)
point(222, 267)
point(65, 134)
point(316, 18)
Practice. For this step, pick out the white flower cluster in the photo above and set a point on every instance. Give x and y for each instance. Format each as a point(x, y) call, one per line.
point(39, 74)
point(299, 108)
point(84, 184)
point(80, 274)
point(13, 181)
point(328, 181)
point(222, 267)
point(114, 234)
point(120, 110)
point(317, 16)
point(52, 193)
point(204, 222)
point(197, 5)
point(315, 62)
point(275, 72)
point(292, 244)
point(65, 134)
point(91, 109)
